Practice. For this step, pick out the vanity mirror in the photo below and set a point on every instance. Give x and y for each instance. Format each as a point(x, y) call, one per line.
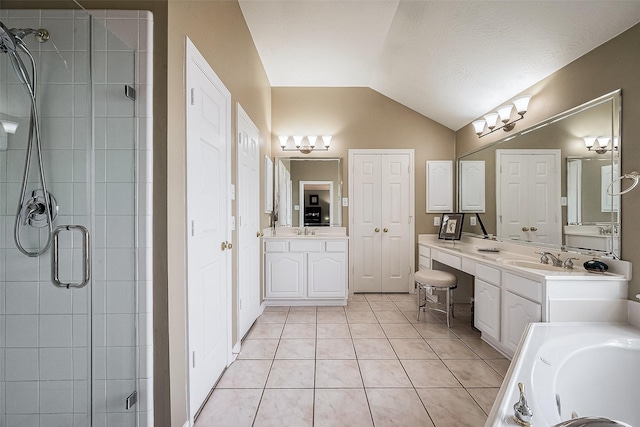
point(308, 191)
point(545, 185)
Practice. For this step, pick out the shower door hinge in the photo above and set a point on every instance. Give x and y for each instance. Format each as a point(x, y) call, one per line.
point(130, 92)
point(131, 400)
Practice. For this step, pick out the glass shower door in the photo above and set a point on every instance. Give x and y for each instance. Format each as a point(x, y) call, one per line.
point(68, 353)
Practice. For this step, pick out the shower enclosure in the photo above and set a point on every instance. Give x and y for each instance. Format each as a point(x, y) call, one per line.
point(68, 262)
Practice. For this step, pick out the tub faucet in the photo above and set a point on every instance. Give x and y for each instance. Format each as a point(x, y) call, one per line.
point(522, 412)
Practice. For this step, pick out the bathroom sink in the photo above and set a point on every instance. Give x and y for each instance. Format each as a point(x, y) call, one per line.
point(525, 263)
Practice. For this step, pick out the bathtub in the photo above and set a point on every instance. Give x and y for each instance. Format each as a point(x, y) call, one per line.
point(592, 369)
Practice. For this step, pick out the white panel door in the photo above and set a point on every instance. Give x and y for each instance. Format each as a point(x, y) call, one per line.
point(366, 214)
point(284, 275)
point(517, 313)
point(529, 195)
point(439, 186)
point(208, 211)
point(381, 248)
point(472, 186)
point(248, 199)
point(396, 218)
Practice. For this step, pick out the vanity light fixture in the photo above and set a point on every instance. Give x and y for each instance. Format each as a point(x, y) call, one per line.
point(603, 143)
point(6, 127)
point(504, 113)
point(305, 144)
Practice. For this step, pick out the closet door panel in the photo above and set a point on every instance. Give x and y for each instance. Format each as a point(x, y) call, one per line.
point(366, 233)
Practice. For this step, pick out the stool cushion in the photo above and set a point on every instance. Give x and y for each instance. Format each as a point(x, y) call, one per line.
point(436, 278)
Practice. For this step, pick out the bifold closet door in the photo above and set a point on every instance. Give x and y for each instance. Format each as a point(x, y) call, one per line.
point(381, 227)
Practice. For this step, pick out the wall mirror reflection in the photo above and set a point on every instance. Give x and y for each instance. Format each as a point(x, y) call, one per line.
point(308, 192)
point(547, 184)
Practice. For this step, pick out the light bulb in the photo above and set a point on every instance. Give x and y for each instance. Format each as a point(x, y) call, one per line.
point(478, 126)
point(505, 113)
point(312, 140)
point(491, 119)
point(522, 103)
point(283, 140)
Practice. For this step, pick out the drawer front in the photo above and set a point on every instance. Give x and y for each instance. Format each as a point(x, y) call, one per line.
point(522, 286)
point(424, 251)
point(488, 274)
point(306, 246)
point(276, 246)
point(450, 260)
point(336, 246)
point(424, 263)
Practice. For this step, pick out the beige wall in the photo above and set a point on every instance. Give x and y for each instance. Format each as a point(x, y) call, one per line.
point(361, 118)
point(611, 66)
point(218, 30)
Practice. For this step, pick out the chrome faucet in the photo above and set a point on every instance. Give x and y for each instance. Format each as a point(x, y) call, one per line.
point(568, 263)
point(544, 258)
point(522, 413)
point(306, 231)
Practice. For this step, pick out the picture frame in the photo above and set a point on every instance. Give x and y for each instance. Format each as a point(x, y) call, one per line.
point(313, 199)
point(451, 226)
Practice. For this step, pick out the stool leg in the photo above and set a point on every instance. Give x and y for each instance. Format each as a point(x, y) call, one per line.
point(419, 301)
point(453, 303)
point(448, 306)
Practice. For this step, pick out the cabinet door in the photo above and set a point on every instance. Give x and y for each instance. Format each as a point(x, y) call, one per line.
point(284, 275)
point(517, 313)
point(487, 308)
point(327, 275)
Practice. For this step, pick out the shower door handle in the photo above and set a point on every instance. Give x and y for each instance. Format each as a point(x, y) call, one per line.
point(86, 258)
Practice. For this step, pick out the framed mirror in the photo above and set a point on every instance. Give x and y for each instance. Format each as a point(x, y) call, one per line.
point(308, 191)
point(546, 185)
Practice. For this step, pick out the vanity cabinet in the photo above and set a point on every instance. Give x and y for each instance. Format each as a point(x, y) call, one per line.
point(301, 271)
point(517, 313)
point(487, 295)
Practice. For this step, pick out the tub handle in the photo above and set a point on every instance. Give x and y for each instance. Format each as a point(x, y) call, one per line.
point(522, 412)
point(86, 258)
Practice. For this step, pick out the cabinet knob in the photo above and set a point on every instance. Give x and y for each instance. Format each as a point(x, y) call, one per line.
point(534, 229)
point(386, 230)
point(525, 229)
point(377, 230)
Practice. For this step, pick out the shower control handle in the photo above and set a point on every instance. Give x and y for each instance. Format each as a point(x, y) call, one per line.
point(86, 257)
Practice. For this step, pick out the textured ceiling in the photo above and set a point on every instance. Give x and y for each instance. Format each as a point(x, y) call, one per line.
point(451, 61)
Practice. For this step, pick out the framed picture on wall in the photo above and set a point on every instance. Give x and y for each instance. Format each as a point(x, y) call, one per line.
point(451, 226)
point(313, 199)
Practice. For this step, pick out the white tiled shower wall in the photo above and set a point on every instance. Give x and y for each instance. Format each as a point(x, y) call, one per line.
point(45, 372)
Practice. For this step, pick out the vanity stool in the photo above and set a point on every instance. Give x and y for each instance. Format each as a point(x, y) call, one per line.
point(428, 281)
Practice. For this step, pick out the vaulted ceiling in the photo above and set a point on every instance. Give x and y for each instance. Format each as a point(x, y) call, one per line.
point(451, 61)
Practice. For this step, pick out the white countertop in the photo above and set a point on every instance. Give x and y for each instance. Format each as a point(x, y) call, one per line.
point(468, 247)
point(315, 233)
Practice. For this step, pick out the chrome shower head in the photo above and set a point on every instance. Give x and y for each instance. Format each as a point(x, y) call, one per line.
point(41, 35)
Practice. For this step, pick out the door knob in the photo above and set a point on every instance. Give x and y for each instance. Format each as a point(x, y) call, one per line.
point(229, 245)
point(377, 230)
point(525, 229)
point(534, 229)
point(258, 234)
point(226, 245)
point(386, 230)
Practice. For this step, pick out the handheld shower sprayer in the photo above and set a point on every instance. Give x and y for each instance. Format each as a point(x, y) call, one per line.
point(41, 208)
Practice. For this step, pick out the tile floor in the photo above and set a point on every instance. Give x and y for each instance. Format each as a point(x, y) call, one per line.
point(367, 364)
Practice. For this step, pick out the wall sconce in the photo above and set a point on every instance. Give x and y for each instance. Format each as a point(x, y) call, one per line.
point(8, 127)
point(603, 143)
point(302, 146)
point(504, 113)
